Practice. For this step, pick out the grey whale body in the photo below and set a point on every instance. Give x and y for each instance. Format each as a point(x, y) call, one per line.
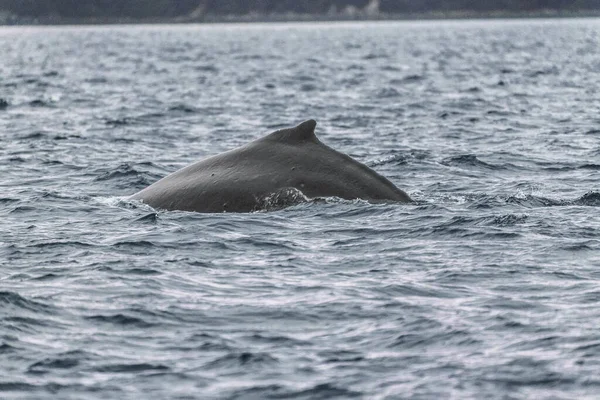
point(279, 164)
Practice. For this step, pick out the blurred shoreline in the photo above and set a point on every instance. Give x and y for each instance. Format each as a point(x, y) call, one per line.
point(13, 20)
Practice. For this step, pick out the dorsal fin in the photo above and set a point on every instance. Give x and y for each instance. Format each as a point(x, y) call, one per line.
point(305, 132)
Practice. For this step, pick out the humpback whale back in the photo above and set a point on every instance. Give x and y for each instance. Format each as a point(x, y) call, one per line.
point(283, 162)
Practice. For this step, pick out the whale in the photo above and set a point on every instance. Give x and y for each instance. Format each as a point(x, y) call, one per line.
point(277, 169)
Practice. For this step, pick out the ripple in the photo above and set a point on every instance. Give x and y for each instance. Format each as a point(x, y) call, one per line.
point(39, 103)
point(49, 365)
point(590, 199)
point(533, 201)
point(183, 108)
point(11, 300)
point(318, 392)
point(134, 177)
point(387, 93)
point(7, 349)
point(151, 218)
point(509, 220)
point(130, 368)
point(120, 320)
point(207, 68)
point(469, 160)
point(247, 359)
point(16, 387)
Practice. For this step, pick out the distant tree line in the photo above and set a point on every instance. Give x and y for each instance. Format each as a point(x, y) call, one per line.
point(175, 8)
point(404, 6)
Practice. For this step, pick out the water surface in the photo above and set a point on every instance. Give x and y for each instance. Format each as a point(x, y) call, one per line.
point(486, 287)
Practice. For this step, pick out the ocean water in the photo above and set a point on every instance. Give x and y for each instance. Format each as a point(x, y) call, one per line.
point(487, 287)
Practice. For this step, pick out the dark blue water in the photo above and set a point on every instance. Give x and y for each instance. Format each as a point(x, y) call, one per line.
point(487, 287)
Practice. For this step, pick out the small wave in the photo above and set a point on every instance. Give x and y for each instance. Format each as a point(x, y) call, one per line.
point(131, 368)
point(413, 340)
point(469, 160)
point(308, 87)
point(407, 80)
point(273, 391)
point(118, 121)
point(53, 194)
point(99, 79)
point(463, 226)
point(142, 271)
point(531, 201)
point(34, 135)
point(119, 201)
point(576, 247)
point(23, 210)
point(183, 108)
point(49, 388)
point(592, 167)
point(134, 244)
point(541, 72)
point(51, 364)
point(39, 103)
point(515, 375)
point(341, 356)
point(6, 348)
point(355, 67)
point(304, 78)
point(589, 349)
point(48, 136)
point(211, 110)
point(16, 387)
point(11, 299)
point(246, 359)
point(591, 199)
point(29, 325)
point(353, 81)
point(59, 243)
point(8, 200)
point(125, 176)
point(484, 201)
point(413, 78)
point(375, 56)
point(120, 320)
point(276, 340)
point(207, 68)
point(132, 120)
point(417, 291)
point(281, 199)
point(319, 392)
point(395, 159)
point(500, 113)
point(590, 297)
point(47, 277)
point(3, 104)
point(392, 68)
point(151, 218)
point(446, 114)
point(508, 220)
point(387, 93)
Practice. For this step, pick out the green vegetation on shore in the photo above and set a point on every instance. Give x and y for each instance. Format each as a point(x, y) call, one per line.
point(99, 11)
